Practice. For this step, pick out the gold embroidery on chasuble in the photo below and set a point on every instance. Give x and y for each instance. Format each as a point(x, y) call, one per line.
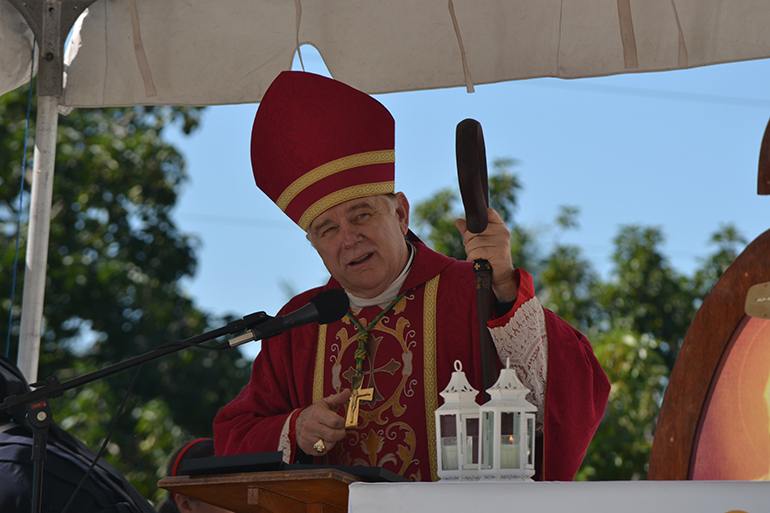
point(320, 361)
point(393, 431)
point(430, 372)
point(381, 438)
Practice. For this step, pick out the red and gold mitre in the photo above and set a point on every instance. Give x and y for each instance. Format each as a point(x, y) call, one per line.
point(317, 142)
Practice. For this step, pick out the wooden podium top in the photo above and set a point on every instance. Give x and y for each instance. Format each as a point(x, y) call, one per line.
point(300, 491)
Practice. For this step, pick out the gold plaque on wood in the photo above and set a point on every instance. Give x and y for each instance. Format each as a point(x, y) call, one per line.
point(758, 301)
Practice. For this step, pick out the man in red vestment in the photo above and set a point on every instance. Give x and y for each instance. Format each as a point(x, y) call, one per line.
point(324, 153)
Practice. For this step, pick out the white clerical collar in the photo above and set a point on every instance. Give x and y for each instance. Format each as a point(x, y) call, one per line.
point(384, 299)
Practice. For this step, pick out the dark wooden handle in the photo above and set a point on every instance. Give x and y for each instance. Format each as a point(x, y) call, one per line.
point(474, 189)
point(472, 173)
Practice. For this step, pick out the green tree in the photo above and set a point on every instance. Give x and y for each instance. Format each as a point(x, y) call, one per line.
point(620, 449)
point(729, 242)
point(637, 339)
point(568, 284)
point(648, 292)
point(434, 219)
point(115, 262)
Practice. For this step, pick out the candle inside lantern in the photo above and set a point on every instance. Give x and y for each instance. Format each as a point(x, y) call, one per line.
point(509, 452)
point(449, 453)
point(471, 448)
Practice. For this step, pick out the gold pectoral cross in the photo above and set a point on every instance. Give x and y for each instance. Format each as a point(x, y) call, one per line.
point(359, 394)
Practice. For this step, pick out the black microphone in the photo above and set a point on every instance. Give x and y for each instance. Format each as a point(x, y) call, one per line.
point(325, 307)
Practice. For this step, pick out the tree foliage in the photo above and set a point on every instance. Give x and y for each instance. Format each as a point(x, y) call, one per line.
point(656, 299)
point(620, 449)
point(115, 262)
point(636, 318)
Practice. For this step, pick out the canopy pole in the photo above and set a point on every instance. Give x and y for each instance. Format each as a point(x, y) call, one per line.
point(50, 21)
point(37, 238)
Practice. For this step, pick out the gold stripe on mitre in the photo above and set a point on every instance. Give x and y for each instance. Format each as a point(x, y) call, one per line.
point(330, 168)
point(341, 196)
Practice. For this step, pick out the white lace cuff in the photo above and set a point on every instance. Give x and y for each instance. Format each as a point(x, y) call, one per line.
point(284, 441)
point(524, 340)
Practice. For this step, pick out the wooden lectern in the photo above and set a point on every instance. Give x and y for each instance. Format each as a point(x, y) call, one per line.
point(323, 490)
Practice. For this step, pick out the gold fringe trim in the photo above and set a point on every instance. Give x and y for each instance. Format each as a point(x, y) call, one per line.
point(331, 168)
point(429, 369)
point(335, 198)
point(320, 356)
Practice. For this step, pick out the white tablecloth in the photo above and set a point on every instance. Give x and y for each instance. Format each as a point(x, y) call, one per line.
point(593, 497)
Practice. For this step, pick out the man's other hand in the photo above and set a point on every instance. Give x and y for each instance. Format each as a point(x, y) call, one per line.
point(320, 421)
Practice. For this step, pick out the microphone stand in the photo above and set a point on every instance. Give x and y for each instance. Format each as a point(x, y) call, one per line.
point(39, 415)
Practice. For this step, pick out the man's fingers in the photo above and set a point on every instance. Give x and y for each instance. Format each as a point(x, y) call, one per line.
point(494, 246)
point(493, 217)
point(325, 411)
point(335, 401)
point(495, 238)
point(321, 431)
point(321, 421)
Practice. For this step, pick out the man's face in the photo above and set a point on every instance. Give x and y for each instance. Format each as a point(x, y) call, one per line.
point(361, 242)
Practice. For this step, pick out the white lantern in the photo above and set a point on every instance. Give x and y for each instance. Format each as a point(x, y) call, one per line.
point(508, 430)
point(457, 430)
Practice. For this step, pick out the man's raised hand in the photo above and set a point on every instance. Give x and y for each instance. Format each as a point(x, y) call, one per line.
point(494, 246)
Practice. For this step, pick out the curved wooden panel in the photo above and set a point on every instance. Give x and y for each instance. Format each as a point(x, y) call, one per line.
point(708, 336)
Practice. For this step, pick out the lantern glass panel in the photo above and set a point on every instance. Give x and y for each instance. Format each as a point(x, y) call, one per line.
point(448, 425)
point(507, 422)
point(448, 442)
point(510, 440)
point(530, 442)
point(471, 448)
point(487, 439)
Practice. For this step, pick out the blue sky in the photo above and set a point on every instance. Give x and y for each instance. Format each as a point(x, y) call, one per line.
point(677, 150)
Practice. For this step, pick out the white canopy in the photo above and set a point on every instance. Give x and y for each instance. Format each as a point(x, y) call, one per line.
point(175, 52)
point(15, 48)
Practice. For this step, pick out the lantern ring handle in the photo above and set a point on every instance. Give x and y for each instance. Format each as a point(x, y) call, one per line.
point(458, 366)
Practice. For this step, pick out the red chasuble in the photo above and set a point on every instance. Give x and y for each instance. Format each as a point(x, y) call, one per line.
point(410, 358)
